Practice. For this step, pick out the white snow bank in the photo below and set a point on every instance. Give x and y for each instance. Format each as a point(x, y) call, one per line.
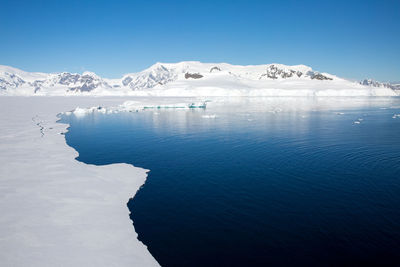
point(135, 106)
point(56, 211)
point(211, 116)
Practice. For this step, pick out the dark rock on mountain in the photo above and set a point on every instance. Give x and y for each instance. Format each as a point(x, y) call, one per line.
point(193, 75)
point(370, 82)
point(318, 76)
point(215, 69)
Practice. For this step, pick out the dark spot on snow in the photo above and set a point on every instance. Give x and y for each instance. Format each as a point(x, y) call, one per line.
point(215, 69)
point(318, 76)
point(126, 81)
point(38, 123)
point(193, 75)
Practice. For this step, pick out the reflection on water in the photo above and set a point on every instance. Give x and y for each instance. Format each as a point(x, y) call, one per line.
point(258, 181)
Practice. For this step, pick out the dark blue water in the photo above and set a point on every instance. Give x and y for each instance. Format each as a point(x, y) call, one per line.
point(260, 184)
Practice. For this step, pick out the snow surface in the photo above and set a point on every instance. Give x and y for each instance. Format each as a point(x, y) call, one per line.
point(211, 116)
point(56, 211)
point(191, 79)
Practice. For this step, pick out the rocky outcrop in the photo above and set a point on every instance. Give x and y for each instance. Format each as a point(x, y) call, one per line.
point(318, 76)
point(273, 72)
point(193, 75)
point(127, 80)
point(373, 83)
point(214, 69)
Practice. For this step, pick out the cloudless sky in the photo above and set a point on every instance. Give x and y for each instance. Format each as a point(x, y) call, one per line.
point(352, 39)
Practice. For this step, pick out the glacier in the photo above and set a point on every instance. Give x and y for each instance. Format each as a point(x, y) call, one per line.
point(192, 79)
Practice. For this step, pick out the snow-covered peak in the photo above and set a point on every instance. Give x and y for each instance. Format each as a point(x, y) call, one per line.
point(26, 76)
point(373, 83)
point(4, 68)
point(188, 78)
point(91, 74)
point(267, 71)
point(157, 74)
point(15, 81)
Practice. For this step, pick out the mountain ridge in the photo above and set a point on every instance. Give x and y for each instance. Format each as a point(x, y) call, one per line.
point(192, 78)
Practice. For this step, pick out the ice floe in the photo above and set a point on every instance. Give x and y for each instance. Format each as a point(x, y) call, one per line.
point(57, 211)
point(210, 116)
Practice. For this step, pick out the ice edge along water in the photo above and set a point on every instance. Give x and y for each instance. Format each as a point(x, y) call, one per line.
point(57, 211)
point(135, 106)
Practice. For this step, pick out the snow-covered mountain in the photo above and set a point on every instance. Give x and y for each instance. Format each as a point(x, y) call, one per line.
point(373, 83)
point(17, 82)
point(192, 79)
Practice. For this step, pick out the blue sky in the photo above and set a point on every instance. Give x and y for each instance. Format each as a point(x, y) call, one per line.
point(352, 39)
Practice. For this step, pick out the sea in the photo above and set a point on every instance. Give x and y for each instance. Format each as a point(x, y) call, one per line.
point(258, 181)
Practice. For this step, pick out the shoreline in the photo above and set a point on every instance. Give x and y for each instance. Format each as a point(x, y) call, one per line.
point(58, 211)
